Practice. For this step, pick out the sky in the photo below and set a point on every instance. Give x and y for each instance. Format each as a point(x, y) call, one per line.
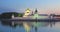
point(43, 6)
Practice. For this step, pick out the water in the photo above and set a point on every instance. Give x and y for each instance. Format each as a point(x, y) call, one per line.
point(34, 27)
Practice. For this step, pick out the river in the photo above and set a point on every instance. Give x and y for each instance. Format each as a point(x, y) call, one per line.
point(34, 26)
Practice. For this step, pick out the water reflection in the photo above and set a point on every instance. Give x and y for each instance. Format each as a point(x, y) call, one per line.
point(52, 24)
point(13, 26)
point(32, 24)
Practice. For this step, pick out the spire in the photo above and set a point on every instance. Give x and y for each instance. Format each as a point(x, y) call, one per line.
point(36, 11)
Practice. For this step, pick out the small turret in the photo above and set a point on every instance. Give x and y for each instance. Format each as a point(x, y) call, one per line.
point(32, 12)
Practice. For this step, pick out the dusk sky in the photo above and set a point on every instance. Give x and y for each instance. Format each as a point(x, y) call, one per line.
point(43, 6)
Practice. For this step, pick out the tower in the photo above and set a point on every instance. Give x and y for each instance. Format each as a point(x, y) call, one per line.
point(12, 16)
point(27, 12)
point(36, 14)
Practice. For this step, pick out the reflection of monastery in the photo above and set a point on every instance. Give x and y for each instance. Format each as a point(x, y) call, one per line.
point(31, 15)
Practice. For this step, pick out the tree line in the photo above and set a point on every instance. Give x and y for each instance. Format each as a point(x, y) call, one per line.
point(7, 15)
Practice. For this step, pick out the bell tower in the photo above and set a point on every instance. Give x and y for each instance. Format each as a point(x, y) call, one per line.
point(36, 14)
